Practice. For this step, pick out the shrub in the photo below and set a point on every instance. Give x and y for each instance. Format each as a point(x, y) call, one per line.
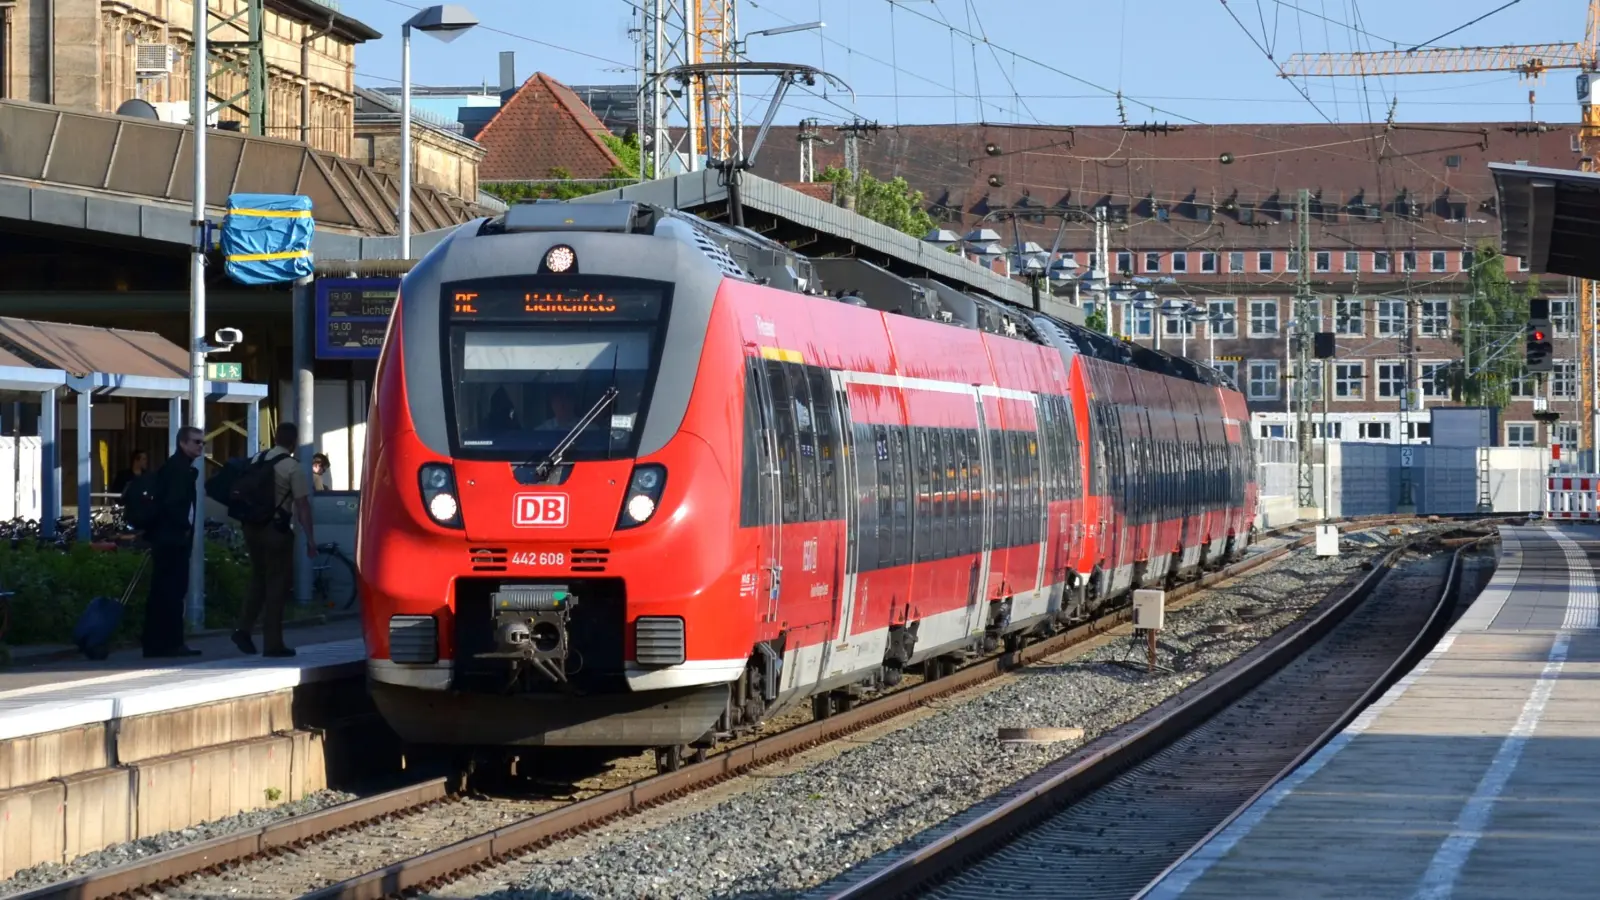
point(54, 586)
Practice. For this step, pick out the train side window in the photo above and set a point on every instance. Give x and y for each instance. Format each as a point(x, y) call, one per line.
point(753, 498)
point(922, 491)
point(900, 488)
point(940, 483)
point(999, 495)
point(1032, 482)
point(885, 488)
point(1049, 449)
point(830, 451)
point(971, 439)
point(960, 499)
point(805, 416)
point(1018, 501)
point(865, 458)
point(783, 416)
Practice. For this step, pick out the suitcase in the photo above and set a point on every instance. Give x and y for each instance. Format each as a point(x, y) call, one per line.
point(100, 620)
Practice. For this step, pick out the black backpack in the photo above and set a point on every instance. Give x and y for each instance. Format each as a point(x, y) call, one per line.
point(253, 494)
point(140, 506)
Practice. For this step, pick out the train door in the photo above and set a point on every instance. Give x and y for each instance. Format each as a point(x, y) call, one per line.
point(841, 653)
point(770, 547)
point(985, 487)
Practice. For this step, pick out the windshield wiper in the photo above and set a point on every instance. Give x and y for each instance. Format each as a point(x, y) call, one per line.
point(554, 459)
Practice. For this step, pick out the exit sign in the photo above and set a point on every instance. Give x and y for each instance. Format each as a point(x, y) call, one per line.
point(225, 371)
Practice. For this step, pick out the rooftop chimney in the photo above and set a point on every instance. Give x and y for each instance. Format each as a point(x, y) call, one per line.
point(508, 70)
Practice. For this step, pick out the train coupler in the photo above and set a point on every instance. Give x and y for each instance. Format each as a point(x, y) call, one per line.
point(531, 625)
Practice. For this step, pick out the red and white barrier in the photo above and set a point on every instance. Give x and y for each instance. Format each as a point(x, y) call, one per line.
point(1572, 497)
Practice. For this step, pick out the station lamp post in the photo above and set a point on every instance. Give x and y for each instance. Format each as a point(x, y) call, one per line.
point(446, 23)
point(738, 81)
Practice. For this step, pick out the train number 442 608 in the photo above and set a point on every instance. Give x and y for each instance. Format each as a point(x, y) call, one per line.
point(538, 559)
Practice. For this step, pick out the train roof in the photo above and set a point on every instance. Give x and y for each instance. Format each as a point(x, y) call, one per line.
point(749, 256)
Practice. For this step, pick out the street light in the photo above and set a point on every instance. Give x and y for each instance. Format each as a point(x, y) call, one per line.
point(446, 23)
point(738, 80)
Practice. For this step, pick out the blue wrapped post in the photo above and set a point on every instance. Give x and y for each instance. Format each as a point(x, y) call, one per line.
point(266, 238)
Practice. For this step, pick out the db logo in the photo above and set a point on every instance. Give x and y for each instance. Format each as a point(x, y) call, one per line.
point(539, 510)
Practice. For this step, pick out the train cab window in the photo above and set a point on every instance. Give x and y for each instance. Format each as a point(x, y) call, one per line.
point(900, 490)
point(999, 493)
point(829, 450)
point(865, 457)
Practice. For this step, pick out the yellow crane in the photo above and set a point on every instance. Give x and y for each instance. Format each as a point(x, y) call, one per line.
point(713, 27)
point(1530, 61)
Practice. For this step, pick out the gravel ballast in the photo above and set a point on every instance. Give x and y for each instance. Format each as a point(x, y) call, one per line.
point(787, 831)
point(133, 851)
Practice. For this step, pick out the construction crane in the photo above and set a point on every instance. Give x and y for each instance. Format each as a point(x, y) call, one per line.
point(674, 124)
point(1529, 61)
point(714, 27)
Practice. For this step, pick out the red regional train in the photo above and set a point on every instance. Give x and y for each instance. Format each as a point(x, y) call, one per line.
point(636, 479)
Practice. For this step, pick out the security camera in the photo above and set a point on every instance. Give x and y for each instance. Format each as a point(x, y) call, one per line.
point(228, 336)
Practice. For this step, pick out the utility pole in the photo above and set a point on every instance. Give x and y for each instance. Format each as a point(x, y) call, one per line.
point(810, 133)
point(1409, 385)
point(1305, 326)
point(854, 133)
point(252, 67)
point(665, 45)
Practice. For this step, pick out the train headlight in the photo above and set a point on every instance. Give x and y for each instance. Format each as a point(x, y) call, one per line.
point(644, 493)
point(438, 483)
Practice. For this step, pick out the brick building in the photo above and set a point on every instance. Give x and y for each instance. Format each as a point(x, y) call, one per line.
point(1207, 214)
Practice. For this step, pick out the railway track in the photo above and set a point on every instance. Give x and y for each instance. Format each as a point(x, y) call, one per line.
point(326, 843)
point(1110, 819)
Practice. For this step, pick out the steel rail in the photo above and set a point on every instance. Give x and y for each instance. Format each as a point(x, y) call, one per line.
point(1097, 766)
point(173, 865)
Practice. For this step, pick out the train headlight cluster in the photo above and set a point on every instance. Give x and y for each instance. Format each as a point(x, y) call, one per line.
point(438, 483)
point(644, 492)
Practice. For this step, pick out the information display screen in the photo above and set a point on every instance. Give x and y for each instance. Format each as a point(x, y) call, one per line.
point(353, 316)
point(588, 302)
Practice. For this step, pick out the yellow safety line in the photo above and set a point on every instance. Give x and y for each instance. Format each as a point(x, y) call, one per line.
point(262, 257)
point(272, 213)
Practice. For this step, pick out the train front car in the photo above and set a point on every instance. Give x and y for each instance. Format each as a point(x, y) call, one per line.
point(534, 567)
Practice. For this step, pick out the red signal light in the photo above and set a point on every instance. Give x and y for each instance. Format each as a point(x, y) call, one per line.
point(1538, 335)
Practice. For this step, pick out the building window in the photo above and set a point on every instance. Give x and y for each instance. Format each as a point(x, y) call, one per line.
point(1564, 380)
point(1519, 434)
point(1391, 317)
point(1561, 316)
point(1124, 263)
point(1180, 262)
point(1324, 261)
point(1229, 370)
point(1208, 262)
point(1292, 261)
point(1349, 380)
point(1263, 318)
point(1380, 260)
point(1227, 329)
point(1347, 316)
point(1376, 431)
point(1564, 433)
point(1434, 383)
point(1521, 386)
point(1136, 321)
point(1177, 326)
point(1408, 261)
point(1436, 260)
point(1391, 380)
point(1467, 258)
point(1331, 432)
point(1522, 264)
point(1236, 262)
point(1263, 379)
point(1434, 318)
point(1152, 262)
point(1264, 261)
point(1352, 260)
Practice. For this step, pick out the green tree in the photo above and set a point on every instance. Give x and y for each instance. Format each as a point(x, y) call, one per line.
point(892, 203)
point(561, 186)
point(1097, 320)
point(1490, 323)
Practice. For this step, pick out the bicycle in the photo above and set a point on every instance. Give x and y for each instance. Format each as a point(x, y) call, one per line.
point(333, 578)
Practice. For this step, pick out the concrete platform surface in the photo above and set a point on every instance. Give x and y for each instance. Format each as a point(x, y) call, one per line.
point(1476, 776)
point(56, 696)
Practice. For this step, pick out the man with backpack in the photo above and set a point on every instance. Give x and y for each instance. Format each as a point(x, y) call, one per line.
point(162, 504)
point(261, 496)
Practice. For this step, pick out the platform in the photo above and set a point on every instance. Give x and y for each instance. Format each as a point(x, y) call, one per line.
point(1476, 776)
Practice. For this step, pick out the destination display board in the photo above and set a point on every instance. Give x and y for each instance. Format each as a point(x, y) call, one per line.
point(353, 316)
point(587, 303)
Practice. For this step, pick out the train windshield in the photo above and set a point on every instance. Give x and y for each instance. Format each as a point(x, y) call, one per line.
point(520, 383)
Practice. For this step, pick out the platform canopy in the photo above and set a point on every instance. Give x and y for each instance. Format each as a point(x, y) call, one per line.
point(1550, 217)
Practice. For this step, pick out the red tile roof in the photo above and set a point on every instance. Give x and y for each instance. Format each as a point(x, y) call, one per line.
point(822, 190)
point(542, 128)
point(968, 170)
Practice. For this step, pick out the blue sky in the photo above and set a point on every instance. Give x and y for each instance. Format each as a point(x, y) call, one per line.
point(1052, 62)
